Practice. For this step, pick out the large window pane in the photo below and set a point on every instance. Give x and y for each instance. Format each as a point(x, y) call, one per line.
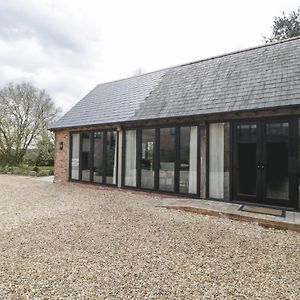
point(147, 165)
point(75, 156)
point(246, 159)
point(216, 160)
point(277, 164)
point(111, 157)
point(167, 159)
point(85, 156)
point(98, 157)
point(188, 160)
point(130, 158)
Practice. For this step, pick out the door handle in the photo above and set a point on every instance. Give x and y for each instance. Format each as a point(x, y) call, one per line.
point(260, 165)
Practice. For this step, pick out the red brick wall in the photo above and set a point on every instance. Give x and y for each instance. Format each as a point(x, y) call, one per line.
point(61, 160)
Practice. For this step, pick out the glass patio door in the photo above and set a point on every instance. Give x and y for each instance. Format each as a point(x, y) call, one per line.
point(274, 166)
point(263, 152)
point(247, 178)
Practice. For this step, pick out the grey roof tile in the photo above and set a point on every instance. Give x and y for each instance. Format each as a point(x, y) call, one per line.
point(262, 77)
point(111, 102)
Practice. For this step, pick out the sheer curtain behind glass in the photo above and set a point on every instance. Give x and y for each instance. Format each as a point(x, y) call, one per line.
point(75, 156)
point(188, 160)
point(130, 158)
point(193, 160)
point(216, 160)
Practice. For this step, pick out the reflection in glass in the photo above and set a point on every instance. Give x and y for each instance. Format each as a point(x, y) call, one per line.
point(277, 154)
point(98, 157)
point(277, 129)
point(167, 159)
point(75, 156)
point(111, 157)
point(246, 153)
point(85, 157)
point(246, 131)
point(188, 160)
point(147, 165)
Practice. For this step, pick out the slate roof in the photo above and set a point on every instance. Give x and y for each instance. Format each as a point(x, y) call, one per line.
point(263, 77)
point(111, 102)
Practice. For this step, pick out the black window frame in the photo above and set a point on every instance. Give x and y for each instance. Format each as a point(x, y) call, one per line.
point(157, 158)
point(231, 155)
point(91, 133)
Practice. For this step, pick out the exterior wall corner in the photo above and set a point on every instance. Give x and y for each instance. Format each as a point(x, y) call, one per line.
point(61, 160)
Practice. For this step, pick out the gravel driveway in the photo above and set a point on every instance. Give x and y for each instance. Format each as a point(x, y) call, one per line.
point(65, 241)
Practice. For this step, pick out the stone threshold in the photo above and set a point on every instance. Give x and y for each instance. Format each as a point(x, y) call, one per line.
point(291, 220)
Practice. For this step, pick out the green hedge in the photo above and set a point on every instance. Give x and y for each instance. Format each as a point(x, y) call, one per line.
point(27, 170)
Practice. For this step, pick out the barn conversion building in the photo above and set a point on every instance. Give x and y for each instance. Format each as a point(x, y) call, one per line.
point(224, 128)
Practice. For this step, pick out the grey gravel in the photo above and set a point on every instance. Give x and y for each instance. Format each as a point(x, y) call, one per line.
point(66, 241)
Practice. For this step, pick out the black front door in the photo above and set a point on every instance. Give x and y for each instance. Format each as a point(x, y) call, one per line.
point(264, 162)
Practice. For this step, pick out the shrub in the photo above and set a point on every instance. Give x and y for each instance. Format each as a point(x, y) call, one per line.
point(35, 169)
point(19, 171)
point(6, 169)
point(43, 173)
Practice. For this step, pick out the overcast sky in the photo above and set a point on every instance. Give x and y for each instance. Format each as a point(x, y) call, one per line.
point(69, 46)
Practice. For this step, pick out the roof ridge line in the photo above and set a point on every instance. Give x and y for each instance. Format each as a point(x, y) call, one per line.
point(153, 89)
point(239, 51)
point(134, 76)
point(206, 59)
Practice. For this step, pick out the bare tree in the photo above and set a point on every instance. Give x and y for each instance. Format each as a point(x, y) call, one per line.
point(25, 113)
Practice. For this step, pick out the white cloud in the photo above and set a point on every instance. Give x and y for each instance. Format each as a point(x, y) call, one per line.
point(67, 47)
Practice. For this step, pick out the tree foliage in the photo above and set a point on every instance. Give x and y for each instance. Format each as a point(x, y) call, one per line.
point(285, 27)
point(45, 150)
point(25, 114)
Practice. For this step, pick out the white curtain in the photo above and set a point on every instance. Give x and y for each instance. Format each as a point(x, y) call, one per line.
point(193, 160)
point(75, 156)
point(216, 160)
point(115, 159)
point(130, 158)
